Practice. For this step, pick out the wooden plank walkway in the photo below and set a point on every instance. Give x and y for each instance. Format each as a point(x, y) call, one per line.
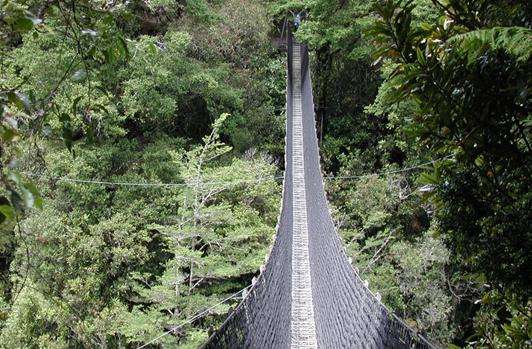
point(303, 327)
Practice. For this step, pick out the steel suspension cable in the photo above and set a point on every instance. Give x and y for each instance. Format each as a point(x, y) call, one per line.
point(235, 182)
point(194, 317)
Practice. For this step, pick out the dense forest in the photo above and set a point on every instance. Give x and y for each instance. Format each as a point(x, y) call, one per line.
point(141, 154)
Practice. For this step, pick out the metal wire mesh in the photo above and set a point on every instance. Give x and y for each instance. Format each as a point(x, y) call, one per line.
point(346, 313)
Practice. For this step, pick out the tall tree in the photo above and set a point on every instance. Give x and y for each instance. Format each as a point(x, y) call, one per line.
point(465, 82)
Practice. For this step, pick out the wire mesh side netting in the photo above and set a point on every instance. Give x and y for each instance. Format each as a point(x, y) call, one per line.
point(347, 314)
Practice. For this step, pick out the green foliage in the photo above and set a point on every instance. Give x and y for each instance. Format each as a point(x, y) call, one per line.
point(453, 85)
point(391, 243)
point(41, 60)
point(239, 45)
point(516, 330)
point(459, 87)
point(119, 254)
point(131, 89)
point(161, 82)
point(344, 82)
point(216, 238)
point(383, 221)
point(96, 93)
point(514, 40)
point(337, 26)
point(199, 10)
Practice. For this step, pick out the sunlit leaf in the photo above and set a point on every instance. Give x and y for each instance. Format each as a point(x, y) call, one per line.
point(19, 99)
point(7, 134)
point(36, 196)
point(89, 32)
point(6, 210)
point(23, 24)
point(79, 75)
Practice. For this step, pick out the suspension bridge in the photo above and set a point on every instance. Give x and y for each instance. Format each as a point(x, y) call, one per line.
point(308, 295)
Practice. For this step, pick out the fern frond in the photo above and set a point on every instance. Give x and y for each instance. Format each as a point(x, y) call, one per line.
point(516, 41)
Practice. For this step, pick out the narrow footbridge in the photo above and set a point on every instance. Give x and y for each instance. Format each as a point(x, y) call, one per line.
point(308, 295)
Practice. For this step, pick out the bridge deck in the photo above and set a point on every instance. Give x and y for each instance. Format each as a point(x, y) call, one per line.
point(308, 294)
point(303, 329)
